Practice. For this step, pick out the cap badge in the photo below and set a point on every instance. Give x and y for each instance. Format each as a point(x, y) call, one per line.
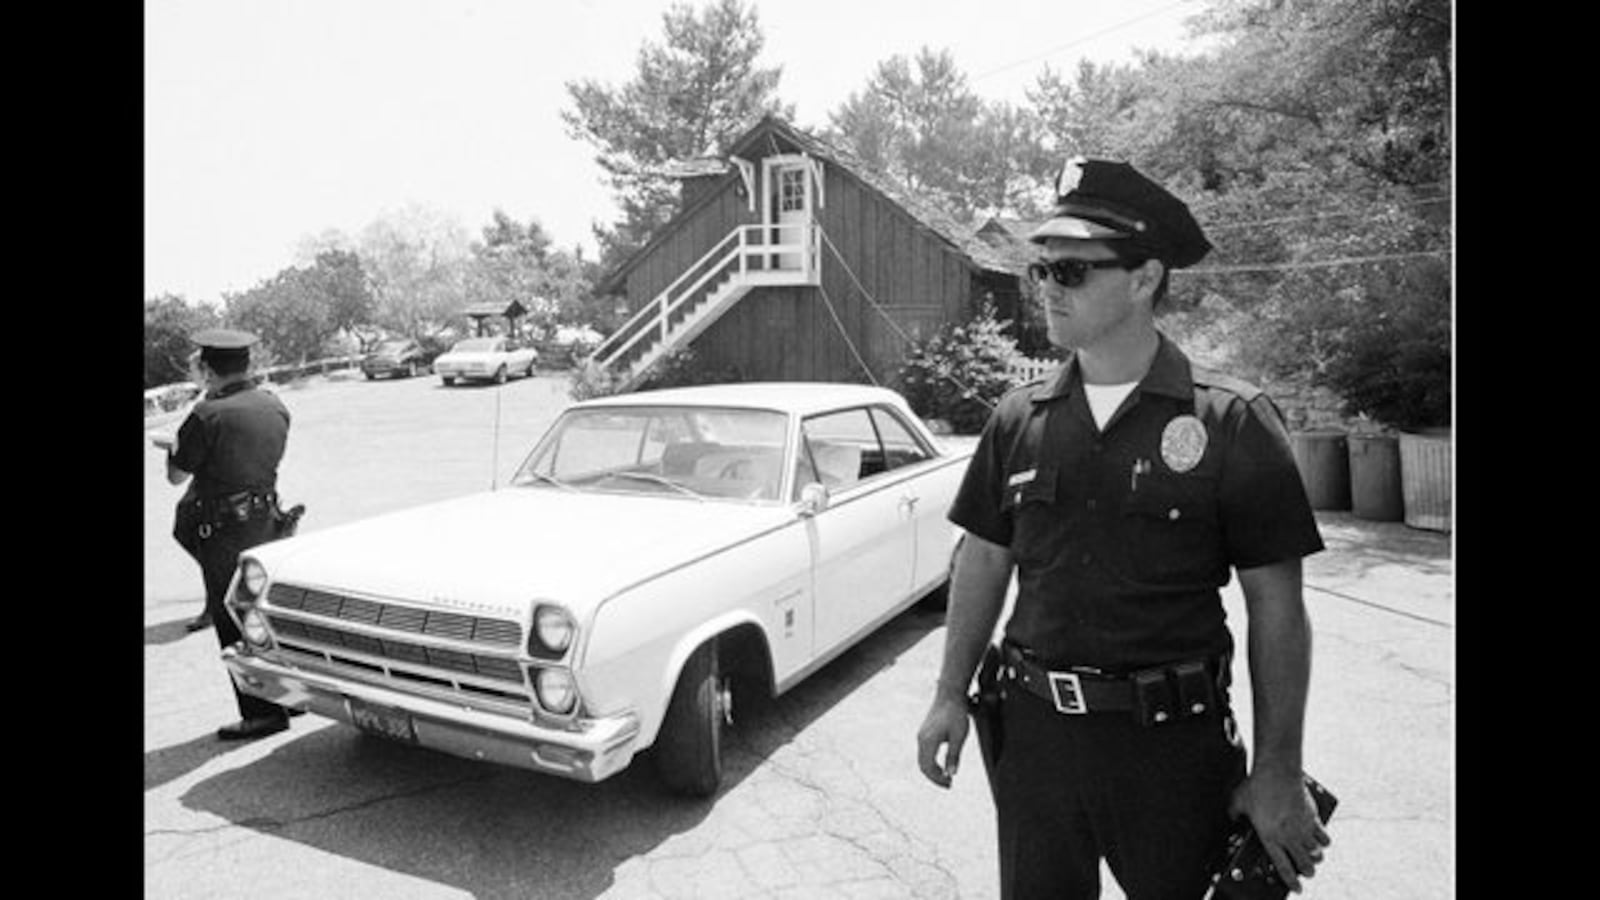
point(1071, 174)
point(1183, 443)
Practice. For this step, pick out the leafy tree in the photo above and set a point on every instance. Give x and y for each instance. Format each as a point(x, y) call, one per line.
point(690, 97)
point(417, 262)
point(515, 262)
point(169, 320)
point(290, 314)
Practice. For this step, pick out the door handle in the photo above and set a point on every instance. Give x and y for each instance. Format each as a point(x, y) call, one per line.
point(908, 503)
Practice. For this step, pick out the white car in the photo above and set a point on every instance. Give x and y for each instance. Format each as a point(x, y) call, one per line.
point(493, 358)
point(654, 550)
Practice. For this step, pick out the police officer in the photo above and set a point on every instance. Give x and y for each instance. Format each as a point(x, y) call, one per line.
point(231, 443)
point(1121, 490)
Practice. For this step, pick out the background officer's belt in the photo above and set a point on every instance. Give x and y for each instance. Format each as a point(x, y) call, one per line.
point(1075, 691)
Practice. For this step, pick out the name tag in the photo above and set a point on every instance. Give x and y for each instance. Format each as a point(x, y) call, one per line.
point(1021, 477)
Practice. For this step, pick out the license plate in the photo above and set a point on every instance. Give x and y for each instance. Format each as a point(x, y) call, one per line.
point(382, 720)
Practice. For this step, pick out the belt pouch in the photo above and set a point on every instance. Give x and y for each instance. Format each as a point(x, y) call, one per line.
point(1154, 700)
point(1195, 696)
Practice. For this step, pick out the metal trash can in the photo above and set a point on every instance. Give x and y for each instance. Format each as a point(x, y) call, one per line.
point(1323, 458)
point(1375, 492)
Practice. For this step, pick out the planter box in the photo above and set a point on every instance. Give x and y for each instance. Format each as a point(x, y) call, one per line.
point(1425, 476)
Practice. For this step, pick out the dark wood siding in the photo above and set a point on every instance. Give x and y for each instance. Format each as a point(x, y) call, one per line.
point(886, 277)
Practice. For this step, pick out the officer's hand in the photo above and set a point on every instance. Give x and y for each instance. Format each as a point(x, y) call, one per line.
point(945, 724)
point(1284, 815)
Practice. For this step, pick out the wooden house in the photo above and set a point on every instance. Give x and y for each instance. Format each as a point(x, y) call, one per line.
point(790, 260)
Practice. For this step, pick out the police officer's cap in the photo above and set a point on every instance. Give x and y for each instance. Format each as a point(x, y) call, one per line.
point(1102, 199)
point(223, 339)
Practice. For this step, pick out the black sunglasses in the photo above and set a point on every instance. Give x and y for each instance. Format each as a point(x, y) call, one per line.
point(1072, 272)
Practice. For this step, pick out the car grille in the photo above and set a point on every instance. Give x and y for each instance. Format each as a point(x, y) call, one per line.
point(339, 630)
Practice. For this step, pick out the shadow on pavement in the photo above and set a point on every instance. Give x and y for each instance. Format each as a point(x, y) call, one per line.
point(491, 830)
point(168, 763)
point(167, 632)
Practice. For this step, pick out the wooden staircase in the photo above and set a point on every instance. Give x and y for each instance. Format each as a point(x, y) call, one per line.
point(748, 257)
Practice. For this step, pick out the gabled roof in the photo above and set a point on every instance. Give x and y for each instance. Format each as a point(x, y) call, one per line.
point(962, 238)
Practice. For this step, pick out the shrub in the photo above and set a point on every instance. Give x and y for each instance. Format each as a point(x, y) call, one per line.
point(678, 368)
point(961, 372)
point(1391, 360)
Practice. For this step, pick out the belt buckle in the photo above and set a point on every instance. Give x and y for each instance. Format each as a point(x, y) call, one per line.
point(1073, 704)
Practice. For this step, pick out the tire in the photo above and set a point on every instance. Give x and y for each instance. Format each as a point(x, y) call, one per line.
point(448, 380)
point(369, 375)
point(500, 375)
point(688, 751)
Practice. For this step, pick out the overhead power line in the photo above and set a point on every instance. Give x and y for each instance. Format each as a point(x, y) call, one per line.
point(1314, 264)
point(1219, 226)
point(1073, 43)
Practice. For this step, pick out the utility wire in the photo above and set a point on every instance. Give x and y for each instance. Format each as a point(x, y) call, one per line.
point(846, 335)
point(1073, 43)
point(1220, 226)
point(1315, 264)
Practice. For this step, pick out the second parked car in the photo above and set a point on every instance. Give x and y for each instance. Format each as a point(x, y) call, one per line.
point(398, 359)
point(493, 358)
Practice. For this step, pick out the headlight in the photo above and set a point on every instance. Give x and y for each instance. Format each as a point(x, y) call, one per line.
point(255, 627)
point(252, 579)
point(555, 691)
point(552, 631)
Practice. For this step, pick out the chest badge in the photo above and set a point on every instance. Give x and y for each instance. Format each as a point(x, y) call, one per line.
point(1183, 442)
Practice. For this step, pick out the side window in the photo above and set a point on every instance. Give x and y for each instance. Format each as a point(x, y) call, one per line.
point(837, 449)
point(900, 444)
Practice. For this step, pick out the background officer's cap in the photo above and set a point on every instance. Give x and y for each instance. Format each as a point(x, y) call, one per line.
point(223, 339)
point(1102, 199)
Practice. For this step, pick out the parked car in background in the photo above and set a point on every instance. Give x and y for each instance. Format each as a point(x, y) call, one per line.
point(656, 556)
point(493, 358)
point(398, 358)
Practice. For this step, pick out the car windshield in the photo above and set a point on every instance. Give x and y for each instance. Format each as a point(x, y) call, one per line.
point(475, 345)
point(392, 348)
point(701, 452)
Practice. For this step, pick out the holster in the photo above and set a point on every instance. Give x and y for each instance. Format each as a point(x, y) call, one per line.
point(984, 706)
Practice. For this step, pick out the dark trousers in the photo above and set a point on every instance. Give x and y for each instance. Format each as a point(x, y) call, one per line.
point(218, 555)
point(1151, 800)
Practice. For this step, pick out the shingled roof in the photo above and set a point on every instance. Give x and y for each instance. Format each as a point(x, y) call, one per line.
point(994, 256)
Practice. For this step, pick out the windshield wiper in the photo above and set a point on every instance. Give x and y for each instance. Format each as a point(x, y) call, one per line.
point(551, 479)
point(658, 479)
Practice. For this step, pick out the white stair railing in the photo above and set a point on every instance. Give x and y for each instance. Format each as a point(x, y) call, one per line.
point(736, 263)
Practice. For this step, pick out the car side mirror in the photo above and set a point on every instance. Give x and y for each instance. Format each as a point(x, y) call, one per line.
point(813, 499)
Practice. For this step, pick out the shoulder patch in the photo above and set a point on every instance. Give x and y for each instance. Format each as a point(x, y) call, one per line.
point(1213, 379)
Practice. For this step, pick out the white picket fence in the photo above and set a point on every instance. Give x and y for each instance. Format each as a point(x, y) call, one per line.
point(1027, 369)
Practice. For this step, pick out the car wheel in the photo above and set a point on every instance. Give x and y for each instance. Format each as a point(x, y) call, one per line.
point(369, 375)
point(447, 380)
point(500, 375)
point(688, 751)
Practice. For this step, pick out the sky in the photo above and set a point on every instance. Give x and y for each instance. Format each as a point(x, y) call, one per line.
point(268, 122)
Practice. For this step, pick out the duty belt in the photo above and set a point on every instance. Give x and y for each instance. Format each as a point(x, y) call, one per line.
point(219, 511)
point(1154, 695)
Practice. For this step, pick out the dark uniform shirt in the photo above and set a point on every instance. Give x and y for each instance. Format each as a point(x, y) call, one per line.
point(1123, 538)
point(233, 440)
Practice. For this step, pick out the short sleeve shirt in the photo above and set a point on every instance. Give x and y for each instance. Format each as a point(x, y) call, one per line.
point(233, 440)
point(1124, 537)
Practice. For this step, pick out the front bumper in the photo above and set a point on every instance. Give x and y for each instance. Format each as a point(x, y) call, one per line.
point(596, 749)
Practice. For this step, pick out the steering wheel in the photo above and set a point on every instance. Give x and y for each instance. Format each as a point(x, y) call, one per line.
point(735, 470)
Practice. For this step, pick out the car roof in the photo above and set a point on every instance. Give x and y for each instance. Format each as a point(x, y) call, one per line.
point(800, 397)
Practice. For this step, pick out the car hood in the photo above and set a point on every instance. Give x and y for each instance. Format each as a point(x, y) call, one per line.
point(493, 553)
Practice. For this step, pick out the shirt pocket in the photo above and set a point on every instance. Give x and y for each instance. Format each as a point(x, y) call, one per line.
point(1038, 526)
point(1170, 530)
